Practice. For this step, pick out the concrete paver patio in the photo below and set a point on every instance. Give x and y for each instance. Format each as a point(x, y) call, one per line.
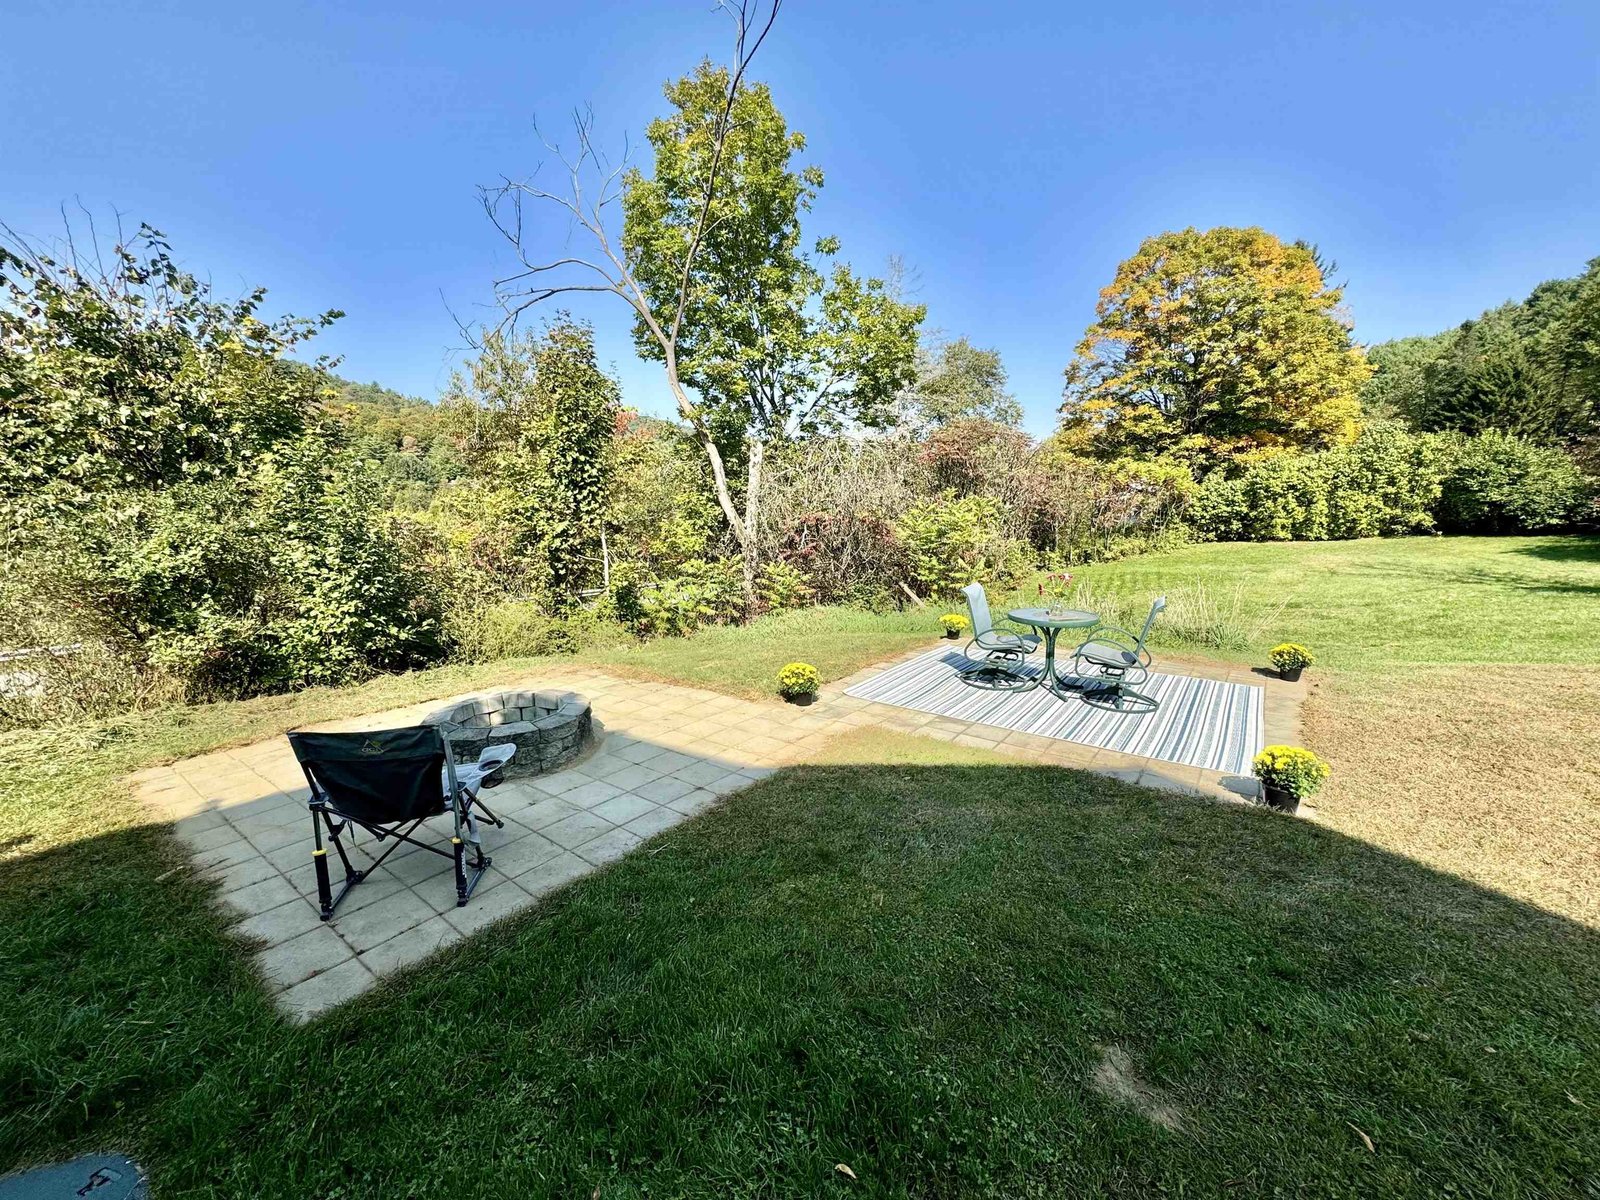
point(666, 753)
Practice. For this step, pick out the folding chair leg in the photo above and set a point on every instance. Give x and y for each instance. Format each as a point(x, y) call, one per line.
point(326, 900)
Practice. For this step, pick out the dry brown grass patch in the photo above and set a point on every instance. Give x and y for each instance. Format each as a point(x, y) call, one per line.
point(1488, 772)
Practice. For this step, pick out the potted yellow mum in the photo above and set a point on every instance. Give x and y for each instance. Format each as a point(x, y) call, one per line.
point(954, 624)
point(1288, 775)
point(798, 683)
point(1289, 659)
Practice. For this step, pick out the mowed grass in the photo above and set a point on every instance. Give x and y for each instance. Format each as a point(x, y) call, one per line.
point(909, 959)
point(1456, 692)
point(1381, 607)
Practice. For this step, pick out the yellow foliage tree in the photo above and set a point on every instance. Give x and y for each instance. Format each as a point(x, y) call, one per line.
point(1213, 344)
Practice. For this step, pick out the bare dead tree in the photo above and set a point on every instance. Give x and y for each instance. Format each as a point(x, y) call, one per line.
point(593, 190)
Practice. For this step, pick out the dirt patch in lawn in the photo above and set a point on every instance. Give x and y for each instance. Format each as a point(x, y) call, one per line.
point(1488, 772)
point(1114, 1078)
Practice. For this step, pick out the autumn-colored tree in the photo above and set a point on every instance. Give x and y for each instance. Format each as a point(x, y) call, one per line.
point(1212, 344)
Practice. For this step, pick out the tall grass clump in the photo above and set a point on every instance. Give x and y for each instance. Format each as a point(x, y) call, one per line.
point(1196, 616)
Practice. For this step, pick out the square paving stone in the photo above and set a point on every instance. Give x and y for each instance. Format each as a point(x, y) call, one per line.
point(657, 820)
point(664, 790)
point(608, 847)
point(670, 761)
point(515, 866)
point(260, 896)
point(546, 812)
point(487, 907)
point(301, 957)
point(234, 876)
point(705, 771)
point(731, 782)
point(631, 777)
point(413, 945)
point(321, 992)
point(378, 922)
point(560, 783)
point(696, 801)
point(577, 829)
point(592, 793)
point(622, 809)
point(218, 836)
point(546, 877)
point(282, 923)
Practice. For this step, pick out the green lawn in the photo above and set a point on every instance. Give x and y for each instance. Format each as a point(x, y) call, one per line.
point(1378, 606)
point(908, 959)
point(1370, 606)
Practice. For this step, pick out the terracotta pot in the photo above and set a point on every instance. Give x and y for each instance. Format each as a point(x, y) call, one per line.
point(1281, 799)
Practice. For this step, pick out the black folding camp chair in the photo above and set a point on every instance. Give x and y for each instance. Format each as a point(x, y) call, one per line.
point(388, 782)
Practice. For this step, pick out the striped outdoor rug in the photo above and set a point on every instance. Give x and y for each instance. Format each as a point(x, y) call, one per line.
point(1200, 723)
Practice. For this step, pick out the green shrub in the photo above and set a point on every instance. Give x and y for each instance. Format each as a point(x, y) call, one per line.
point(1298, 772)
point(953, 541)
point(1500, 483)
point(1383, 484)
point(290, 576)
point(781, 586)
point(798, 679)
point(485, 631)
point(703, 592)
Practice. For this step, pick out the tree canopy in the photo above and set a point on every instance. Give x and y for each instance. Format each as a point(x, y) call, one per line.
point(776, 342)
point(133, 375)
point(958, 381)
point(1530, 368)
point(1213, 343)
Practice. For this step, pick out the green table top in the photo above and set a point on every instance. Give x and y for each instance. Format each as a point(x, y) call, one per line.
point(1073, 618)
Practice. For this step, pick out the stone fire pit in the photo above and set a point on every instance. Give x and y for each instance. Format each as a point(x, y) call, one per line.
point(549, 729)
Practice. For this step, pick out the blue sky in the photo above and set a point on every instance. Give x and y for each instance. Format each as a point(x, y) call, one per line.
point(1447, 155)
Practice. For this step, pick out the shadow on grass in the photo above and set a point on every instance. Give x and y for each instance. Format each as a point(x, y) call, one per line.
point(907, 967)
point(1578, 548)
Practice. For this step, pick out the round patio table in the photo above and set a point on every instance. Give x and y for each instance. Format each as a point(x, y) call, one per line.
point(1050, 625)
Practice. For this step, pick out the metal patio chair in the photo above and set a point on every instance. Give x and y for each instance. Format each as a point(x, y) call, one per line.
point(388, 782)
point(997, 654)
point(1115, 662)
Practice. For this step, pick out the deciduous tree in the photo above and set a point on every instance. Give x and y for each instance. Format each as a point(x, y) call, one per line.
point(758, 338)
point(1209, 344)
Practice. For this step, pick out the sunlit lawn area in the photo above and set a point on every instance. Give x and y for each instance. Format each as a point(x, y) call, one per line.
point(908, 959)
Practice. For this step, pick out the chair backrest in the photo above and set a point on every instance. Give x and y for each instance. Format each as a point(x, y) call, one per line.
point(1155, 611)
point(978, 606)
point(381, 776)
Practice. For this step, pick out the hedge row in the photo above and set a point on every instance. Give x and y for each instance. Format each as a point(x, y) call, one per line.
point(1391, 481)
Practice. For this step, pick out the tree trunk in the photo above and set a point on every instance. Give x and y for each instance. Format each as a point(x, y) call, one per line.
point(750, 543)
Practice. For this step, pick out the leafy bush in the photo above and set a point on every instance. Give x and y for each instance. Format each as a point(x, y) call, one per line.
point(485, 632)
point(781, 586)
point(1499, 483)
point(703, 592)
point(1385, 483)
point(848, 557)
point(954, 541)
point(1298, 772)
point(288, 577)
point(798, 679)
point(1290, 656)
point(133, 376)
